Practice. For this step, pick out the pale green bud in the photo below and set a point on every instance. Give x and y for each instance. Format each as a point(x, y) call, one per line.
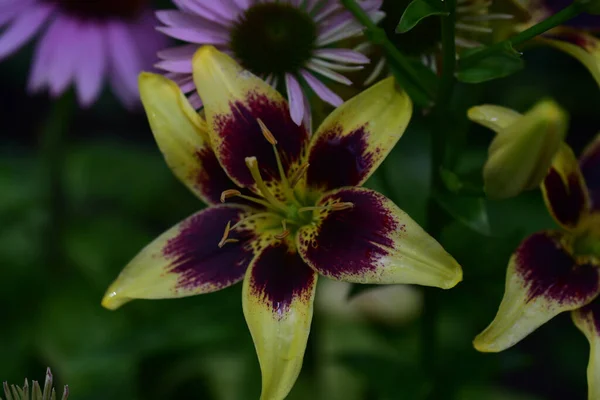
point(524, 146)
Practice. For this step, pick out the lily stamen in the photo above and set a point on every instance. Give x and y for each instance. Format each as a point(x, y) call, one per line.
point(298, 175)
point(252, 165)
point(333, 207)
point(285, 233)
point(229, 193)
point(287, 188)
point(225, 239)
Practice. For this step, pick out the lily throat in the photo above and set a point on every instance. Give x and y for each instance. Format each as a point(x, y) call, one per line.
point(292, 207)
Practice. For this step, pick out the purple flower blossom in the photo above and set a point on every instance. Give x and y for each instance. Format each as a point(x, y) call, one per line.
point(82, 43)
point(288, 43)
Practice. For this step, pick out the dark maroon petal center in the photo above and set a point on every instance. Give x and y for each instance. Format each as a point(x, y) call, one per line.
point(550, 271)
point(336, 161)
point(349, 242)
point(279, 276)
point(242, 137)
point(567, 202)
point(195, 253)
point(582, 21)
point(101, 9)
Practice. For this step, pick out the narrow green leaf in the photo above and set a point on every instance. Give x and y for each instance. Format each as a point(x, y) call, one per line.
point(418, 10)
point(501, 63)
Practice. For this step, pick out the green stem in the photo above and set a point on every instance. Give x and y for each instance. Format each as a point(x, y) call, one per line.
point(52, 159)
point(377, 36)
point(435, 215)
point(553, 21)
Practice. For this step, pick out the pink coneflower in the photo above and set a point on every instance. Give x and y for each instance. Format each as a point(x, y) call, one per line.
point(289, 43)
point(83, 43)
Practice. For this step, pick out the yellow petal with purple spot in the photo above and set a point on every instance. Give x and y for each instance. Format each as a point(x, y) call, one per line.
point(277, 299)
point(371, 240)
point(543, 280)
point(190, 258)
point(358, 135)
point(182, 137)
point(234, 101)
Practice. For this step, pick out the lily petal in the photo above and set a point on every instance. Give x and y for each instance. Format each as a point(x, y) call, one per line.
point(493, 117)
point(234, 100)
point(186, 260)
point(277, 298)
point(358, 135)
point(589, 163)
point(564, 189)
point(543, 280)
point(182, 137)
point(581, 45)
point(373, 241)
point(587, 319)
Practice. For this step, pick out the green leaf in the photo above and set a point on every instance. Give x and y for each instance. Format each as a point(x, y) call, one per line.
point(471, 211)
point(460, 185)
point(418, 10)
point(498, 64)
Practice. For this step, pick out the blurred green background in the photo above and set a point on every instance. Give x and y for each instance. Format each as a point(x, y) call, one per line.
point(118, 194)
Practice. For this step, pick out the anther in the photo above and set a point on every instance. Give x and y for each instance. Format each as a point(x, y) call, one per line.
point(298, 175)
point(342, 206)
point(282, 235)
point(266, 132)
point(224, 240)
point(228, 194)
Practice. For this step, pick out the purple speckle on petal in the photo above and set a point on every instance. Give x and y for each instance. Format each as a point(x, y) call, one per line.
point(196, 256)
point(338, 160)
point(351, 241)
point(567, 202)
point(279, 276)
point(243, 138)
point(550, 271)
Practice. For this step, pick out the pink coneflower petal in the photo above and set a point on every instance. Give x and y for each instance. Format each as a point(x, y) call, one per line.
point(199, 9)
point(65, 57)
point(195, 100)
point(321, 90)
point(178, 19)
point(125, 60)
point(43, 57)
point(26, 24)
point(336, 66)
point(177, 53)
point(183, 66)
point(334, 76)
point(195, 35)
point(89, 75)
point(294, 93)
point(243, 4)
point(342, 55)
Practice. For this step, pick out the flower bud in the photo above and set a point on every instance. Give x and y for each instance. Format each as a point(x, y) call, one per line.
point(522, 151)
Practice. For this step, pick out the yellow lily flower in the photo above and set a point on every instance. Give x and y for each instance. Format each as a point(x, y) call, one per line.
point(524, 146)
point(558, 270)
point(295, 206)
